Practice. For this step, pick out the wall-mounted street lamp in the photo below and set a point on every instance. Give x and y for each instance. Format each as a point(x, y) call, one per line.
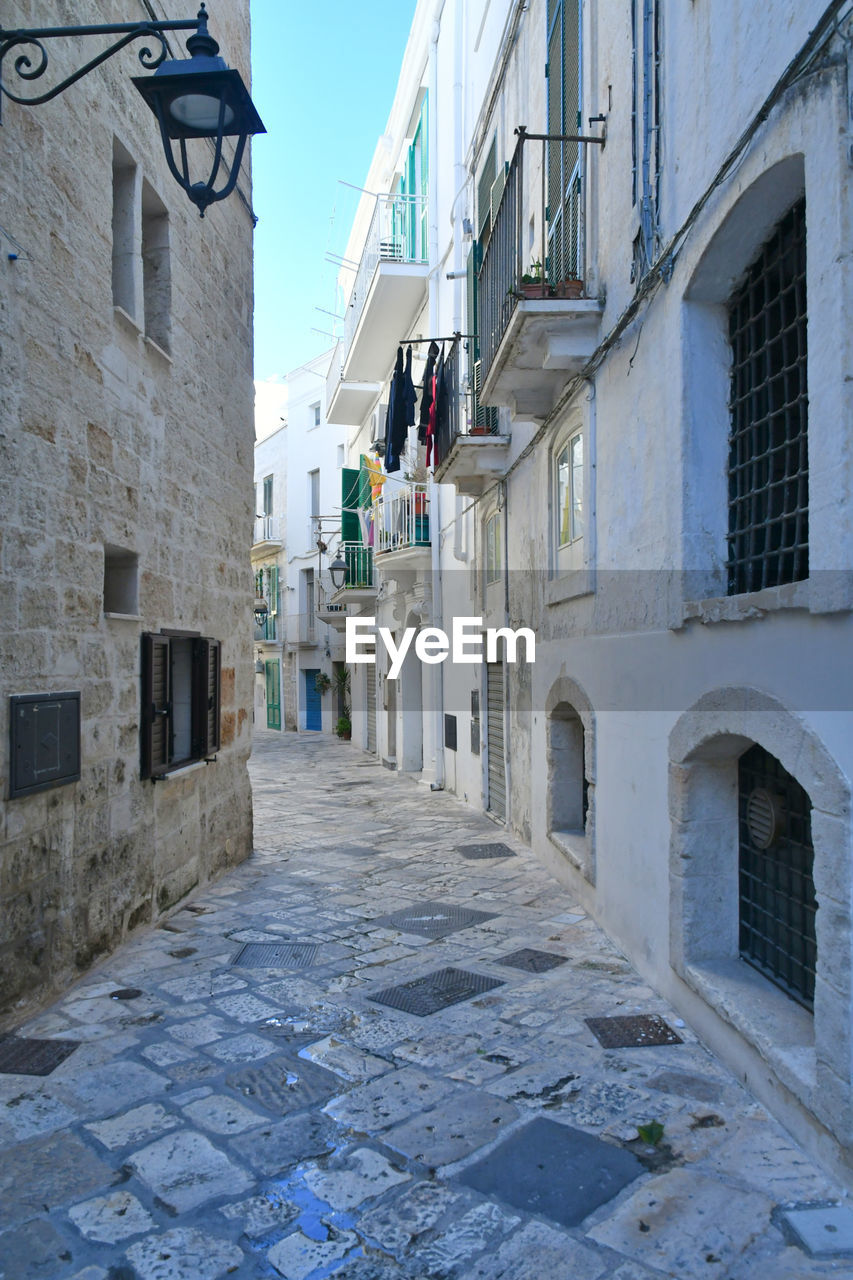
point(195, 97)
point(261, 610)
point(338, 572)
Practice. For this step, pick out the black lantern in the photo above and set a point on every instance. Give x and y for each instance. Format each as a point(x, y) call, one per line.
point(261, 611)
point(201, 97)
point(195, 97)
point(338, 571)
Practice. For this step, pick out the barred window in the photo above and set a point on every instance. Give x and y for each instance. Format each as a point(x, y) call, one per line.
point(777, 894)
point(768, 447)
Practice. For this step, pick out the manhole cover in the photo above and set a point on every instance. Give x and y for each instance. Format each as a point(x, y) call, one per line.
point(19, 1056)
point(284, 1085)
point(555, 1170)
point(436, 991)
point(276, 955)
point(632, 1033)
point(125, 993)
point(532, 961)
point(181, 953)
point(434, 919)
point(495, 850)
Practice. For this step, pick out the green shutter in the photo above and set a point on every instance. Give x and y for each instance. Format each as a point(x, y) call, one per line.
point(350, 527)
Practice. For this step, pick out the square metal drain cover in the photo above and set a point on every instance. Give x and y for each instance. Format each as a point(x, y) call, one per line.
point(632, 1033)
point(276, 955)
point(22, 1057)
point(532, 961)
point(495, 850)
point(436, 991)
point(434, 919)
point(553, 1169)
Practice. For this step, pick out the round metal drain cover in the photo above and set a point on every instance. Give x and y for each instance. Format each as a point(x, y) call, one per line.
point(125, 993)
point(765, 818)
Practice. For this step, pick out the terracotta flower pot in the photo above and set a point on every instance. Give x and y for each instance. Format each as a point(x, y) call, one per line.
point(568, 289)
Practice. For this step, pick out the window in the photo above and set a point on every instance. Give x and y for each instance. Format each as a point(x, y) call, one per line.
point(268, 492)
point(645, 129)
point(125, 265)
point(121, 581)
point(267, 588)
point(563, 72)
point(570, 491)
point(181, 682)
point(341, 457)
point(488, 173)
point(777, 893)
point(156, 269)
point(493, 548)
point(314, 415)
point(768, 470)
point(313, 504)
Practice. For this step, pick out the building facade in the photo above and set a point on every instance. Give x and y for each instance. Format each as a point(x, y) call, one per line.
point(300, 680)
point(637, 220)
point(126, 431)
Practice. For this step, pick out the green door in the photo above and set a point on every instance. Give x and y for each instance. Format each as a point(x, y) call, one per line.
point(273, 694)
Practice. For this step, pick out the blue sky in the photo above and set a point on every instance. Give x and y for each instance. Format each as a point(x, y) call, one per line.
point(323, 79)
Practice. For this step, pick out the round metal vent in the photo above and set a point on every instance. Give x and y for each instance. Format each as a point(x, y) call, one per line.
point(765, 818)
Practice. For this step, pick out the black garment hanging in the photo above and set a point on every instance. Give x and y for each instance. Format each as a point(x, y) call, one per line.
point(426, 398)
point(442, 405)
point(395, 427)
point(409, 397)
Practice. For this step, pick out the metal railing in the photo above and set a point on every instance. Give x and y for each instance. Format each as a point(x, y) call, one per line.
point(267, 529)
point(359, 563)
point(401, 519)
point(398, 233)
point(467, 416)
point(557, 270)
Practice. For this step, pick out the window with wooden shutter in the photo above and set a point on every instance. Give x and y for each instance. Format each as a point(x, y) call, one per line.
point(181, 701)
point(156, 704)
point(207, 676)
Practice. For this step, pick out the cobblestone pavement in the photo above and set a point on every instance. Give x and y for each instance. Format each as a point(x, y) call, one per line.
point(250, 1096)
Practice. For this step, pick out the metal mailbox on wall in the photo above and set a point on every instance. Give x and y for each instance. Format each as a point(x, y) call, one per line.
point(45, 741)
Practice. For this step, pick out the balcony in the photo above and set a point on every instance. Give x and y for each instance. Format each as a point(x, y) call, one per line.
point(389, 289)
point(536, 334)
point(470, 451)
point(348, 402)
point(401, 534)
point(302, 630)
point(267, 535)
point(360, 582)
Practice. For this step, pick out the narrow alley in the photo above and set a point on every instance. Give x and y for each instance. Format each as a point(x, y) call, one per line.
point(387, 1047)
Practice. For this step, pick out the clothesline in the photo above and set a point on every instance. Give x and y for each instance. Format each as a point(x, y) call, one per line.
point(454, 337)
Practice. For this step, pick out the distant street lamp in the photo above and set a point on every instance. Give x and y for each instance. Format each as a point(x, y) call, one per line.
point(195, 97)
point(261, 610)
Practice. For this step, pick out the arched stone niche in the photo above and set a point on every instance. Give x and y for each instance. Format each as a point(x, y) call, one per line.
point(570, 795)
point(812, 1056)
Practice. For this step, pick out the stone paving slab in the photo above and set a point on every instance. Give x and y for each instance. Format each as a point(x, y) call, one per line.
point(260, 1123)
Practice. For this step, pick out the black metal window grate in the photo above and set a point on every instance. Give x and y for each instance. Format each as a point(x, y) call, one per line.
point(777, 896)
point(768, 540)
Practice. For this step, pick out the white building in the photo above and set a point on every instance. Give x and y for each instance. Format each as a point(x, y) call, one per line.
point(650, 469)
point(299, 463)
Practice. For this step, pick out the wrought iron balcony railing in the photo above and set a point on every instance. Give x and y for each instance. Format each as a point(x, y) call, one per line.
point(506, 276)
point(401, 519)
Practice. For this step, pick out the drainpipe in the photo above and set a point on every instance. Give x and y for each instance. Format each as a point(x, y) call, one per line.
point(434, 320)
point(590, 535)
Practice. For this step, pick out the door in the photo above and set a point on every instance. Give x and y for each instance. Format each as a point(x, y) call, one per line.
point(370, 704)
point(313, 699)
point(273, 677)
point(495, 738)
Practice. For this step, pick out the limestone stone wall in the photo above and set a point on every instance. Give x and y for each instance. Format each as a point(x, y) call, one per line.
point(110, 441)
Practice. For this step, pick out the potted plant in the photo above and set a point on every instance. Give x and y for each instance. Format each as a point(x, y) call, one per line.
point(569, 288)
point(322, 682)
point(533, 284)
point(344, 728)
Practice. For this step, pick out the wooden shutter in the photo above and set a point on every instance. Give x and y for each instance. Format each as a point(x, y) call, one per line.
point(350, 527)
point(207, 677)
point(156, 704)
